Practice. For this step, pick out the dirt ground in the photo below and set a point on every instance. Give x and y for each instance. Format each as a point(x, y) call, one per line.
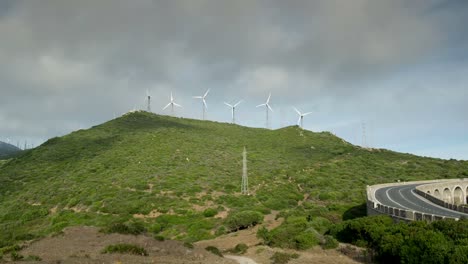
point(262, 254)
point(84, 245)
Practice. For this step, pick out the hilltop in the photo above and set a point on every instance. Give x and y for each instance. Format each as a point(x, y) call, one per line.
point(7, 150)
point(180, 178)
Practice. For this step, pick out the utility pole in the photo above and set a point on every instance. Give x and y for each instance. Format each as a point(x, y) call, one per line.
point(245, 179)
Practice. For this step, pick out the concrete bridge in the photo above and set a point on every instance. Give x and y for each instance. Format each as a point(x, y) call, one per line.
point(453, 192)
point(420, 200)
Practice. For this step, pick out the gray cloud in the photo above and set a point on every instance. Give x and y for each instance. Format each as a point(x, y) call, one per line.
point(396, 64)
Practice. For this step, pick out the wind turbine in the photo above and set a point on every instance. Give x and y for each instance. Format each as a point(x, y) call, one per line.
point(233, 110)
point(148, 96)
point(204, 102)
point(300, 121)
point(267, 107)
point(172, 103)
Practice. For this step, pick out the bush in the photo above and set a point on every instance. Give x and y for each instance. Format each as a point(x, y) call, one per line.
point(214, 250)
point(282, 258)
point(305, 240)
point(125, 249)
point(294, 233)
point(240, 248)
point(210, 212)
point(243, 220)
point(132, 228)
point(329, 242)
point(15, 256)
point(159, 238)
point(33, 258)
point(188, 245)
point(155, 228)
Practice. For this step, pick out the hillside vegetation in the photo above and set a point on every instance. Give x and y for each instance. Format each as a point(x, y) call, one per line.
point(178, 178)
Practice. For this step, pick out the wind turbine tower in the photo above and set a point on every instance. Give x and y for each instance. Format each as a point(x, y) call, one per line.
point(300, 121)
point(245, 179)
point(267, 107)
point(148, 96)
point(172, 103)
point(204, 106)
point(364, 143)
point(233, 110)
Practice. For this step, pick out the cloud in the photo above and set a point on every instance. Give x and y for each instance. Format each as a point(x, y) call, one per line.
point(400, 65)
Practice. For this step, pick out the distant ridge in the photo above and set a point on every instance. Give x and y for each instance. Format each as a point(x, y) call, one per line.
point(7, 150)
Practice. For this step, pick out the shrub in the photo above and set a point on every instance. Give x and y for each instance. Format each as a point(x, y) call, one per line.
point(15, 256)
point(220, 231)
point(125, 249)
point(188, 245)
point(329, 242)
point(243, 220)
point(33, 258)
point(294, 233)
point(210, 212)
point(214, 250)
point(240, 248)
point(132, 228)
point(159, 238)
point(282, 258)
point(305, 240)
point(155, 228)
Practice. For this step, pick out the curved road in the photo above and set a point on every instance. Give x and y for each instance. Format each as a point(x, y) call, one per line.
point(404, 197)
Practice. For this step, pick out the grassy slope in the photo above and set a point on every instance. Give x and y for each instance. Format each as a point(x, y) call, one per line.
point(106, 174)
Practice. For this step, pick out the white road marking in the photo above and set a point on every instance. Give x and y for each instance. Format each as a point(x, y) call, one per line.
point(393, 201)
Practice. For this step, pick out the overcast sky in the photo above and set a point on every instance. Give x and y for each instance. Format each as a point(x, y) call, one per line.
point(400, 67)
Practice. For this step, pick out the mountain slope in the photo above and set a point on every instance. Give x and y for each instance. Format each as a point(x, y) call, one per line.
point(6, 150)
point(164, 172)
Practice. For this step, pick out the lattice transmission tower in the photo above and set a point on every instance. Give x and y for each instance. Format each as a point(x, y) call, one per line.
point(245, 178)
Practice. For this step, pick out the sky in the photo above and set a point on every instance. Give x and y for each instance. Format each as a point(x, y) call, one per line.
point(398, 67)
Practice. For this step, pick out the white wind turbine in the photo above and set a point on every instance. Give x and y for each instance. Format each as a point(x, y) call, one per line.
point(300, 121)
point(204, 102)
point(172, 103)
point(233, 110)
point(267, 107)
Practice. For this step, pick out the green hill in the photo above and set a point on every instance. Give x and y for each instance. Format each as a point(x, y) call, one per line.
point(164, 172)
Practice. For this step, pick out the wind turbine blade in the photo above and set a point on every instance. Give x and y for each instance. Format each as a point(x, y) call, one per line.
point(198, 97)
point(177, 105)
point(238, 103)
point(167, 106)
point(260, 105)
point(172, 98)
point(207, 91)
point(299, 120)
point(269, 107)
point(204, 103)
point(297, 111)
point(308, 113)
point(228, 104)
point(268, 100)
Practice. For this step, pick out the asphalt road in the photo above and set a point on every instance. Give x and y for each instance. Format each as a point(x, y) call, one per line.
point(404, 197)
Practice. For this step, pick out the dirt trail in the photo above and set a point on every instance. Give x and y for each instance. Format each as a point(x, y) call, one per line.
point(241, 260)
